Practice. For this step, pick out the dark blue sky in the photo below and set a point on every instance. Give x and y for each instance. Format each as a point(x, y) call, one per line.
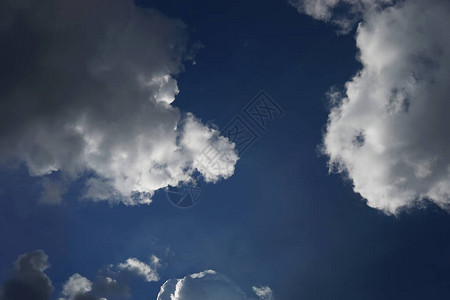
point(281, 220)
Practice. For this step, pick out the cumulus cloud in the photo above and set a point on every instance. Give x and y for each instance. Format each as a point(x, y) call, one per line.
point(389, 130)
point(207, 285)
point(28, 279)
point(87, 89)
point(111, 282)
point(342, 13)
point(77, 285)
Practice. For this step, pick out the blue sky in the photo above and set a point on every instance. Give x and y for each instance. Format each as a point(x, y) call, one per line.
point(278, 218)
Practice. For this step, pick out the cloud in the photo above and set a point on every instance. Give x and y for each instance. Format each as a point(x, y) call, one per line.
point(342, 13)
point(87, 90)
point(207, 285)
point(111, 281)
point(138, 268)
point(388, 132)
point(77, 285)
point(52, 191)
point(263, 292)
point(28, 280)
point(214, 156)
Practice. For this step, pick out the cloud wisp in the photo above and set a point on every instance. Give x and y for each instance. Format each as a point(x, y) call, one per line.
point(88, 91)
point(111, 281)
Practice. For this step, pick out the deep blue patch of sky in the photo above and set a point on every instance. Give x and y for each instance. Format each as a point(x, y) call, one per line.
point(281, 220)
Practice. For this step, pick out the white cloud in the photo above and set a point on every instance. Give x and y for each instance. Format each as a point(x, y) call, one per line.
point(134, 266)
point(352, 11)
point(76, 285)
point(389, 133)
point(263, 292)
point(111, 281)
point(95, 97)
point(213, 155)
point(206, 285)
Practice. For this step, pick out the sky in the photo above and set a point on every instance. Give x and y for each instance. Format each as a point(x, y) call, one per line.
point(211, 150)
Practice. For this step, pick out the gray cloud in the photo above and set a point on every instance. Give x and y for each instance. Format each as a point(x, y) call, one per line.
point(28, 280)
point(87, 87)
point(53, 191)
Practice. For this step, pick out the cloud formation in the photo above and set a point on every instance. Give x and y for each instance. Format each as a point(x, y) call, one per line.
point(342, 13)
point(76, 285)
point(86, 89)
point(207, 285)
point(28, 279)
point(388, 132)
point(111, 281)
point(138, 268)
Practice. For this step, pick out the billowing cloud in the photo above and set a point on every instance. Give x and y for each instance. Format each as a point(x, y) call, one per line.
point(87, 90)
point(207, 285)
point(28, 279)
point(389, 130)
point(342, 13)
